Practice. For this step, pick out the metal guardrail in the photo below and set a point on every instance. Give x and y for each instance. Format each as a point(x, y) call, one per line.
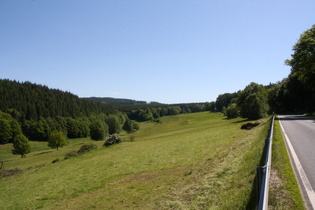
point(263, 172)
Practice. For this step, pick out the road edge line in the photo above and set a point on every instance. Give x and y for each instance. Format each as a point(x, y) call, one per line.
point(306, 183)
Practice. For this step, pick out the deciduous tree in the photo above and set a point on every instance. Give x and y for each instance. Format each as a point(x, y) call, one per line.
point(303, 64)
point(57, 139)
point(21, 145)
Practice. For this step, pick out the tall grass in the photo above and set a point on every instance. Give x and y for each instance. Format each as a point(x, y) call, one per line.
point(198, 160)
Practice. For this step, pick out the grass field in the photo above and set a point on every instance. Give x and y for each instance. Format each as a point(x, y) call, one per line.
point(189, 161)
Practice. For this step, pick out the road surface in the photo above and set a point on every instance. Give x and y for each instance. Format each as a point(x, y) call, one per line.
point(299, 132)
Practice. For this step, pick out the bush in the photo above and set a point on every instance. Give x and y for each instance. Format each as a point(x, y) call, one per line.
point(9, 172)
point(70, 154)
point(86, 148)
point(132, 138)
point(112, 139)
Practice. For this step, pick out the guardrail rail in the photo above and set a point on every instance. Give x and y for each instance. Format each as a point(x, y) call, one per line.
point(263, 172)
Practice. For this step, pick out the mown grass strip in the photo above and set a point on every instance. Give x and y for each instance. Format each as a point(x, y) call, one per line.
point(284, 190)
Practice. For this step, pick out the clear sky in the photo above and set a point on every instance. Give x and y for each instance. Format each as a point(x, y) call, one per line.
point(170, 51)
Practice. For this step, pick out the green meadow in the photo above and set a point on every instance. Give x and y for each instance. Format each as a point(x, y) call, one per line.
point(189, 161)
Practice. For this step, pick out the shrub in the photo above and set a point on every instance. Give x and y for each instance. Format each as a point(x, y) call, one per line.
point(9, 172)
point(86, 148)
point(132, 138)
point(112, 139)
point(70, 154)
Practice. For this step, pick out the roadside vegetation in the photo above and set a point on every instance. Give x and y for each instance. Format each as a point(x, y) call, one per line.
point(284, 190)
point(191, 161)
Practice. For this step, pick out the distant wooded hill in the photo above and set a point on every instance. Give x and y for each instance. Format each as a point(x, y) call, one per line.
point(34, 100)
point(118, 101)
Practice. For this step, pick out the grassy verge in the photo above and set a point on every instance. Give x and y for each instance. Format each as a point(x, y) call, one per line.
point(189, 161)
point(284, 190)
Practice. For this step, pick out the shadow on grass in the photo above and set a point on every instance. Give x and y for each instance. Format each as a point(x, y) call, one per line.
point(43, 153)
point(254, 195)
point(253, 200)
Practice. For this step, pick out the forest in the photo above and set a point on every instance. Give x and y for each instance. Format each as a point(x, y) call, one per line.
point(31, 111)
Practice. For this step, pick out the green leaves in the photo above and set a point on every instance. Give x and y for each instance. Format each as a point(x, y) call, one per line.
point(302, 64)
point(253, 102)
point(57, 139)
point(21, 146)
point(98, 130)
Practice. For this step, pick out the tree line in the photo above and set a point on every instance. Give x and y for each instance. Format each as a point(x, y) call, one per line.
point(154, 112)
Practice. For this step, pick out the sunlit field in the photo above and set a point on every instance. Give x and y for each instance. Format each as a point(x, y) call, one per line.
point(188, 161)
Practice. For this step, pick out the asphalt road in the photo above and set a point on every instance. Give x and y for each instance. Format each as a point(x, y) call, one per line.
point(300, 131)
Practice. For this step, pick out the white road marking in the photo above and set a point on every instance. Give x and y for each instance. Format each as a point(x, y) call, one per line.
point(306, 183)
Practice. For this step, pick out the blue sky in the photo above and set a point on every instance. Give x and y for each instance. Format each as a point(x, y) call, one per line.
point(170, 51)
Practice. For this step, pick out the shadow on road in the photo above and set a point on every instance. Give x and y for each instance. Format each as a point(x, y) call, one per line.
point(295, 117)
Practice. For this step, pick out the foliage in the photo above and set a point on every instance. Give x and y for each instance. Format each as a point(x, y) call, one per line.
point(302, 64)
point(98, 130)
point(224, 110)
point(232, 110)
point(253, 101)
point(70, 154)
point(288, 96)
point(113, 125)
point(5, 131)
point(9, 127)
point(33, 100)
point(209, 106)
point(86, 148)
point(57, 139)
point(223, 100)
point(39, 130)
point(130, 126)
point(112, 139)
point(77, 128)
point(21, 146)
